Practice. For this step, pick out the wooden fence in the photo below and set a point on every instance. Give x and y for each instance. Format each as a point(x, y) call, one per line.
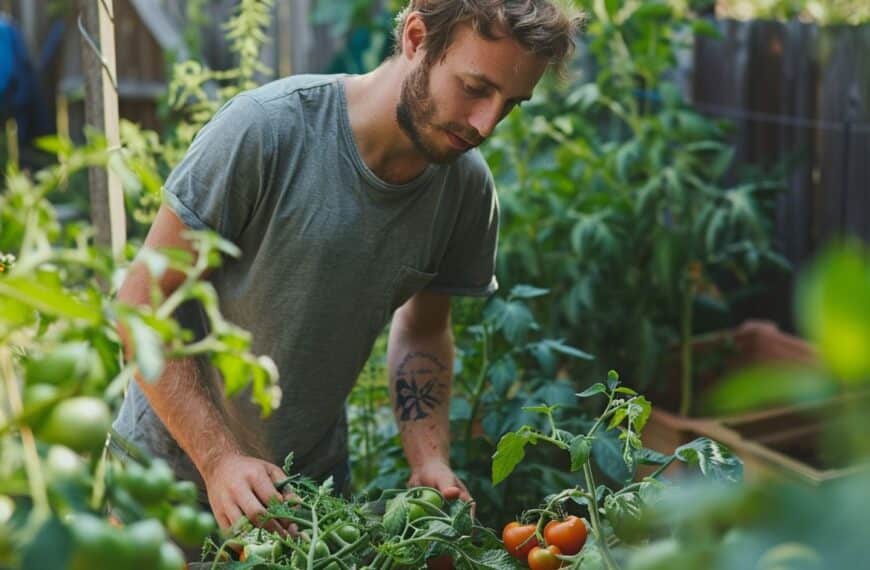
point(801, 94)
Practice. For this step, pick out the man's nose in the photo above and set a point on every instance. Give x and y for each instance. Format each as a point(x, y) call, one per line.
point(485, 117)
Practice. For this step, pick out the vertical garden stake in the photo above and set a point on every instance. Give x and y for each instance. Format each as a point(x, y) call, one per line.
point(101, 112)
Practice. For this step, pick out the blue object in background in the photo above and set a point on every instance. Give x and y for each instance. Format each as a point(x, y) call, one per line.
point(19, 90)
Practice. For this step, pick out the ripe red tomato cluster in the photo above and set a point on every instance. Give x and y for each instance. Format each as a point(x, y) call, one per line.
point(565, 537)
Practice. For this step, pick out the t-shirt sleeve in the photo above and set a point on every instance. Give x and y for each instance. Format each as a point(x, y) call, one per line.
point(226, 170)
point(468, 265)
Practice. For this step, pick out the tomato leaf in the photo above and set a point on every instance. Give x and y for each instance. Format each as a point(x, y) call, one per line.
point(149, 351)
point(713, 460)
point(596, 388)
point(396, 515)
point(54, 533)
point(495, 560)
point(513, 319)
point(560, 346)
point(607, 452)
point(461, 513)
point(49, 299)
point(581, 446)
point(510, 452)
point(288, 463)
point(639, 410)
point(651, 457)
point(527, 292)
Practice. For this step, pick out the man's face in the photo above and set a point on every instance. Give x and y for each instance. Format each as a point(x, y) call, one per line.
point(452, 105)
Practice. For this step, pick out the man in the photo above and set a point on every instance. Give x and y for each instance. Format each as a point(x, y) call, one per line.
point(350, 197)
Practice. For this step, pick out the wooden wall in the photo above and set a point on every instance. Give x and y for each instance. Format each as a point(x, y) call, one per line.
point(801, 94)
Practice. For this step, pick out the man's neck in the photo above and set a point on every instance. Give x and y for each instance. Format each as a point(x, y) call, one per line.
point(371, 104)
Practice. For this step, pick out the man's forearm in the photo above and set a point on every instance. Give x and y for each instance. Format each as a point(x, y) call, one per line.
point(421, 374)
point(179, 397)
point(181, 401)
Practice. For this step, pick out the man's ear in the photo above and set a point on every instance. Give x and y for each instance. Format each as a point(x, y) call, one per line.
point(413, 35)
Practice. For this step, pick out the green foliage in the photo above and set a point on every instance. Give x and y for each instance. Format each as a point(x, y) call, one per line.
point(363, 27)
point(397, 529)
point(194, 96)
point(504, 367)
point(824, 12)
point(626, 507)
point(613, 195)
point(62, 372)
point(775, 522)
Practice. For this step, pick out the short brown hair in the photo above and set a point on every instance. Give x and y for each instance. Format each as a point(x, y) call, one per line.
point(545, 28)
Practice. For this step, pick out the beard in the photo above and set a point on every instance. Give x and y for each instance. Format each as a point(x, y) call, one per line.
point(415, 114)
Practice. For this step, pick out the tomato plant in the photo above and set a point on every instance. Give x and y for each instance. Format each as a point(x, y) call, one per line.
point(626, 411)
point(378, 533)
point(62, 375)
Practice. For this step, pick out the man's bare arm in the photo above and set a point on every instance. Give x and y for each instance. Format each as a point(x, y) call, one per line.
point(420, 360)
point(237, 484)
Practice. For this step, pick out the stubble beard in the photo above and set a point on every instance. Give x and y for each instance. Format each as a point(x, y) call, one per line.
point(415, 112)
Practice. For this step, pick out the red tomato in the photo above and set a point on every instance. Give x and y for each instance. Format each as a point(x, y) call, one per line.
point(544, 558)
point(569, 535)
point(516, 539)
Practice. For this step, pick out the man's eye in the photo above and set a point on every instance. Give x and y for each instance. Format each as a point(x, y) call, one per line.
point(475, 91)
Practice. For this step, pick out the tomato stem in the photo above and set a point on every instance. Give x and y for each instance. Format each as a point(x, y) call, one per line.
point(596, 521)
point(478, 390)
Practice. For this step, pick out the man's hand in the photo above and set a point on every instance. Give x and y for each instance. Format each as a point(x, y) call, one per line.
point(435, 473)
point(239, 485)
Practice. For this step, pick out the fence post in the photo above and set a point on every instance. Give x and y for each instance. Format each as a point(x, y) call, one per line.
point(101, 112)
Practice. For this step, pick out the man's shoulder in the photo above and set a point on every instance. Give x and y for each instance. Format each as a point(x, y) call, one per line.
point(473, 170)
point(281, 90)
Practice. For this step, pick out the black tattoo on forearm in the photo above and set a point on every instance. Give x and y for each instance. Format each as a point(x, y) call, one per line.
point(420, 385)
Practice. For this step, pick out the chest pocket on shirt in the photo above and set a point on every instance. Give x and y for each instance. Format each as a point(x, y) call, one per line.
point(407, 282)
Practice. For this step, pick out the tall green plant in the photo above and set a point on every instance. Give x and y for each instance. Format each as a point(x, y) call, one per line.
point(614, 195)
point(194, 96)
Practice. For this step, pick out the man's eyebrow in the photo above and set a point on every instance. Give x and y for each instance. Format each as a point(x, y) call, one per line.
point(484, 79)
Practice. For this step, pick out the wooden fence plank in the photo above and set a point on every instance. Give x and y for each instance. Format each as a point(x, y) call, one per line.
point(801, 95)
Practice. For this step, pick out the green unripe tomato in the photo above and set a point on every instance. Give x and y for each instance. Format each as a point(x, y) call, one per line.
point(183, 526)
point(171, 557)
point(431, 496)
point(66, 362)
point(79, 423)
point(97, 544)
point(348, 533)
point(38, 400)
point(268, 551)
point(148, 486)
point(321, 550)
point(184, 492)
point(147, 537)
point(62, 463)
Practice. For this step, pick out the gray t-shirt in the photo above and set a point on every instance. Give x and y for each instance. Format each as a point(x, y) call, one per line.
point(329, 251)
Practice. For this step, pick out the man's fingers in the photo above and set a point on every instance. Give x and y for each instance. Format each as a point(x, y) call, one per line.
point(451, 493)
point(265, 490)
point(278, 475)
point(255, 511)
point(230, 515)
